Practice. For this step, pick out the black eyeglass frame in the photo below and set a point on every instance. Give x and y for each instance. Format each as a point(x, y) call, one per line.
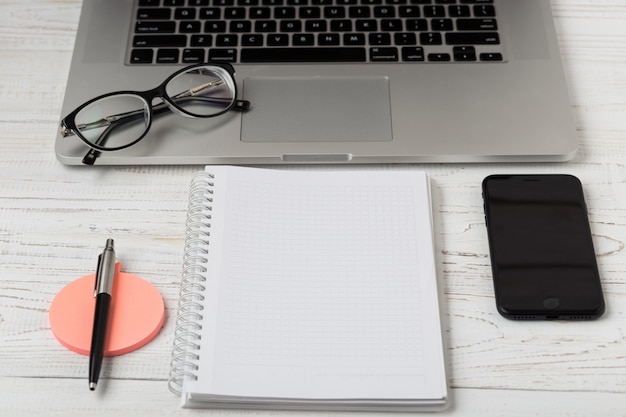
point(68, 125)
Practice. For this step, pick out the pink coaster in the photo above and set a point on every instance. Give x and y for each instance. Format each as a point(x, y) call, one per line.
point(136, 316)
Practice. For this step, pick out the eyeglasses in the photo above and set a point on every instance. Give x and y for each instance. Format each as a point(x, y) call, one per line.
point(115, 121)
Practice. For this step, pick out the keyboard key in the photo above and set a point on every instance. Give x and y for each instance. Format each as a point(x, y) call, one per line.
point(260, 13)
point(240, 26)
point(409, 11)
point(334, 12)
point(359, 12)
point(472, 38)
point(405, 38)
point(476, 24)
point(435, 11)
point(384, 54)
point(391, 25)
point(354, 39)
point(153, 14)
point(141, 56)
point(218, 26)
point(234, 13)
point(167, 56)
point(366, 25)
point(202, 40)
point(484, 11)
point(459, 11)
point(464, 53)
point(417, 25)
point(193, 56)
point(160, 41)
point(413, 54)
point(265, 26)
point(328, 39)
point(294, 54)
point(315, 26)
point(439, 57)
point(290, 26)
point(441, 25)
point(185, 13)
point(431, 38)
point(228, 40)
point(252, 40)
point(155, 27)
point(380, 39)
point(384, 11)
point(341, 25)
point(304, 39)
point(491, 56)
point(310, 13)
point(285, 13)
point(278, 39)
point(190, 26)
point(223, 55)
point(210, 13)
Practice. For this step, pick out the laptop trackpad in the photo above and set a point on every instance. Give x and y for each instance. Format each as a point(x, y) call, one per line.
point(318, 109)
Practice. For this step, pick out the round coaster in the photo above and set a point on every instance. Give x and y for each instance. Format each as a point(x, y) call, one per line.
point(136, 314)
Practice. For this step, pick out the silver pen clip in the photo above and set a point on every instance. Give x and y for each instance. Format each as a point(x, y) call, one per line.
point(105, 270)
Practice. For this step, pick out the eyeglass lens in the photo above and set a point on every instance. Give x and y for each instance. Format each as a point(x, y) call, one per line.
point(119, 120)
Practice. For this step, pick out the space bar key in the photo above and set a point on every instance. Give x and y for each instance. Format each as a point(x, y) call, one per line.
point(303, 55)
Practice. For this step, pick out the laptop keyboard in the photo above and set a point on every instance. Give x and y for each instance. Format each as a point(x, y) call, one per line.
point(324, 31)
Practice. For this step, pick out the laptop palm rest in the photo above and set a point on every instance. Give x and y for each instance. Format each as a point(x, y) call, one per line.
point(317, 109)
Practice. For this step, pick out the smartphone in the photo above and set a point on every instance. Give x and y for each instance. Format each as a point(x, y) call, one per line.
point(542, 256)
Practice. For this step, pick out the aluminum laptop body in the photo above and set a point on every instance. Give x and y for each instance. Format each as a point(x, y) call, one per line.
point(345, 112)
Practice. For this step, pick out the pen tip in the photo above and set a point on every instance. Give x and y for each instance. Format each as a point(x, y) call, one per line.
point(92, 386)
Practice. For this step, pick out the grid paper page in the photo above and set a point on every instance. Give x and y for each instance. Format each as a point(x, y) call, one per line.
point(319, 293)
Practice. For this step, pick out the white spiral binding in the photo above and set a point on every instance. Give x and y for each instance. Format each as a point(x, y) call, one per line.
point(187, 335)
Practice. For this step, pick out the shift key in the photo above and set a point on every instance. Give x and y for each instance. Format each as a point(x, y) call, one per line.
point(472, 38)
point(146, 41)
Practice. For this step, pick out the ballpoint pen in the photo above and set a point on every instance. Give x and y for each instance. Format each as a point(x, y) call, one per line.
point(105, 273)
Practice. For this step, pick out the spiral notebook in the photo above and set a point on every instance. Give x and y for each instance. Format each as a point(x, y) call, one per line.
point(309, 290)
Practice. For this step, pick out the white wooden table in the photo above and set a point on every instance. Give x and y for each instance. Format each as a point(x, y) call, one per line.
point(54, 220)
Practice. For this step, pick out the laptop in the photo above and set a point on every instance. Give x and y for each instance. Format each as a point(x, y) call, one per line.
point(335, 81)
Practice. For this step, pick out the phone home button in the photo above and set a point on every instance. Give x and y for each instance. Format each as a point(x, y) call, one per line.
point(551, 303)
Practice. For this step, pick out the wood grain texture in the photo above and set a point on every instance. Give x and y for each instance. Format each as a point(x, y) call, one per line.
point(54, 220)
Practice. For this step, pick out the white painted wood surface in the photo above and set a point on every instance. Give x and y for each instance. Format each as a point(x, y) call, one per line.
point(54, 220)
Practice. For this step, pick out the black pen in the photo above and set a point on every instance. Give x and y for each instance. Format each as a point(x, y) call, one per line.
point(105, 273)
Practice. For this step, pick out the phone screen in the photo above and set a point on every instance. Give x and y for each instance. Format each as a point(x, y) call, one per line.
point(542, 255)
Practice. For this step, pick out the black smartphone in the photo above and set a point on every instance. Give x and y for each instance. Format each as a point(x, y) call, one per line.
point(542, 256)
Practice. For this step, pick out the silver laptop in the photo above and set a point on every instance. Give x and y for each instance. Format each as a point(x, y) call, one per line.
point(335, 81)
